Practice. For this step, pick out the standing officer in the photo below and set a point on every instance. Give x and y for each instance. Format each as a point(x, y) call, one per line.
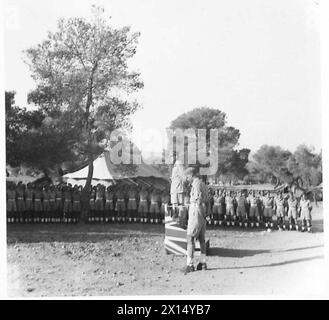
point(196, 226)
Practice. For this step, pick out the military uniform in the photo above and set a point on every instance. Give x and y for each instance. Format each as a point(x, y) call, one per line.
point(20, 202)
point(292, 212)
point(59, 204)
point(241, 209)
point(154, 207)
point(196, 226)
point(132, 205)
point(230, 212)
point(279, 206)
point(217, 208)
point(268, 211)
point(253, 209)
point(164, 205)
point(11, 205)
point(305, 214)
point(46, 206)
point(67, 205)
point(99, 205)
point(29, 195)
point(120, 206)
point(38, 207)
point(52, 205)
point(143, 205)
point(76, 208)
point(109, 205)
point(92, 205)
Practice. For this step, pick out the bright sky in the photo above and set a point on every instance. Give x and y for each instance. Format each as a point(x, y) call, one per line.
point(256, 60)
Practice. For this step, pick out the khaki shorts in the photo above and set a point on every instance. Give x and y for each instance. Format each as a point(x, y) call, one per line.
point(254, 212)
point(241, 211)
point(143, 207)
point(76, 206)
point(67, 206)
point(99, 205)
point(120, 205)
point(230, 211)
point(154, 208)
point(217, 209)
point(109, 205)
point(305, 215)
point(20, 205)
point(132, 205)
point(38, 205)
point(28, 204)
point(268, 212)
point(46, 205)
point(292, 213)
point(11, 205)
point(164, 208)
point(280, 212)
point(177, 198)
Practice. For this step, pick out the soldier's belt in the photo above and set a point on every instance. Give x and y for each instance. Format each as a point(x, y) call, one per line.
point(45, 200)
point(77, 201)
point(58, 198)
point(67, 200)
point(121, 200)
point(143, 200)
point(20, 198)
point(154, 202)
point(28, 199)
point(109, 200)
point(37, 199)
point(132, 199)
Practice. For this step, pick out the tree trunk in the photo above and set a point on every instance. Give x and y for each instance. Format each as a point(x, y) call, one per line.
point(85, 191)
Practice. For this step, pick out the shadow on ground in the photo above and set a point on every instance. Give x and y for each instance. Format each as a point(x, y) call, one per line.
point(80, 232)
point(276, 264)
point(235, 253)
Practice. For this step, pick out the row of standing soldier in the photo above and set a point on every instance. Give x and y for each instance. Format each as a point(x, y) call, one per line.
point(255, 209)
point(62, 203)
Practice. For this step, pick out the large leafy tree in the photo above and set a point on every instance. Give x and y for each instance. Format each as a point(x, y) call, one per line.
point(306, 166)
point(19, 122)
point(209, 118)
point(81, 70)
point(269, 164)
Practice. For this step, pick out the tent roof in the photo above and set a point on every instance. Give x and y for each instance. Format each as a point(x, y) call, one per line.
point(104, 169)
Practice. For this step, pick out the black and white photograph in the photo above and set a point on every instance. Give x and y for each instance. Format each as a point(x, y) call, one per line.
point(166, 149)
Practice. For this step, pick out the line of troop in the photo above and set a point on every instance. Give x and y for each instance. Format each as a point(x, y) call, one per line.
point(62, 203)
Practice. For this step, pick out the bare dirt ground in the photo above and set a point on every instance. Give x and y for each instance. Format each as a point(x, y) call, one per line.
point(118, 259)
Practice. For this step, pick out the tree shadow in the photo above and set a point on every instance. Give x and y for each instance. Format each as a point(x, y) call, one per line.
point(81, 233)
point(303, 248)
point(234, 253)
point(275, 264)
